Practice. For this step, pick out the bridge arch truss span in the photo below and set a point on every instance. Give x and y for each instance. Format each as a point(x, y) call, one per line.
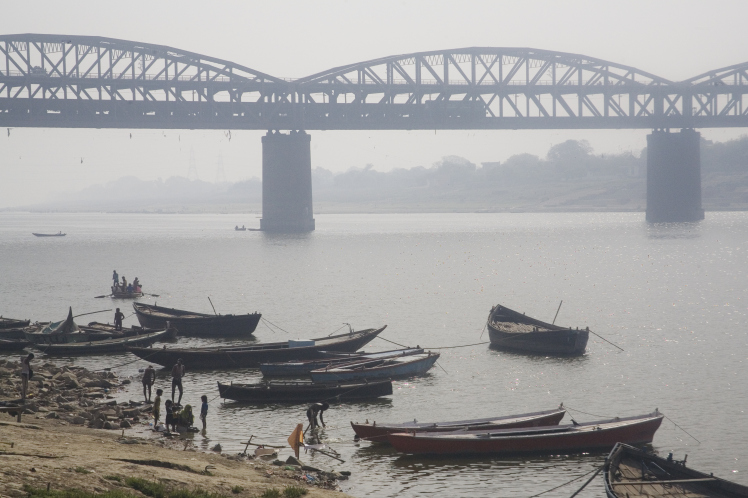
point(94, 78)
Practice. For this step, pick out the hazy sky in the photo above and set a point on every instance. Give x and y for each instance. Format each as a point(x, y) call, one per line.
point(675, 39)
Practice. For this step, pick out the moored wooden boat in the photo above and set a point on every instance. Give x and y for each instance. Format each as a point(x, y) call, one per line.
point(510, 330)
point(253, 356)
point(378, 432)
point(20, 333)
point(191, 324)
point(377, 368)
point(304, 367)
point(118, 345)
point(94, 331)
point(602, 434)
point(12, 323)
point(304, 392)
point(13, 344)
point(632, 473)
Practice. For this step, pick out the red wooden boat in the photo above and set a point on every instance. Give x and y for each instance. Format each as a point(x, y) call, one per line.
point(602, 434)
point(378, 432)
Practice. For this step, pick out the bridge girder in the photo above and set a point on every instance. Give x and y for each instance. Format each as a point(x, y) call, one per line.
point(82, 81)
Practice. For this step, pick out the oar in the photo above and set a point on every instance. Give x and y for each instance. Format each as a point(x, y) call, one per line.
point(559, 309)
point(154, 295)
point(91, 313)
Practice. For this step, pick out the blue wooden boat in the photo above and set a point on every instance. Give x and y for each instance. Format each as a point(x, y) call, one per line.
point(389, 368)
point(304, 367)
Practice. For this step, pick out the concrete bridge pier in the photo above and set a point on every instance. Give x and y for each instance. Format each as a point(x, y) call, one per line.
point(674, 176)
point(287, 182)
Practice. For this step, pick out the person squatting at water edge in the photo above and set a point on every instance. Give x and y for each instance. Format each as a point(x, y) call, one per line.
point(118, 317)
point(177, 372)
point(149, 378)
point(311, 414)
point(26, 374)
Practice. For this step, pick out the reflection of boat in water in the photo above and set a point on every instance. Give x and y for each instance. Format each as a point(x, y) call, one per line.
point(252, 356)
point(508, 329)
point(602, 434)
point(59, 234)
point(303, 392)
point(632, 473)
point(378, 432)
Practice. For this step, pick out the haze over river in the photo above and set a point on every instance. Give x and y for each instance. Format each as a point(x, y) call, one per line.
point(673, 296)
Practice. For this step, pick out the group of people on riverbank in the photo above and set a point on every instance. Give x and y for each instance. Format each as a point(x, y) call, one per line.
point(176, 416)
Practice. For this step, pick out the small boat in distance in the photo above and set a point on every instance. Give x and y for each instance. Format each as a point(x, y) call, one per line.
point(239, 229)
point(58, 234)
point(192, 324)
point(632, 473)
point(513, 331)
point(570, 438)
point(378, 432)
point(303, 392)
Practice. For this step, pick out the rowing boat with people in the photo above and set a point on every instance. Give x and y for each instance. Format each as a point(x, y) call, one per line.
point(193, 324)
point(603, 434)
point(253, 356)
point(514, 331)
point(378, 432)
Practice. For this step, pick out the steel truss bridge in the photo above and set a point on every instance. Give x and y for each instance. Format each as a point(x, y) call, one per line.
point(94, 82)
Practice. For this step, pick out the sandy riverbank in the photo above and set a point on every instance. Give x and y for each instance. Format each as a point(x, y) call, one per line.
point(48, 451)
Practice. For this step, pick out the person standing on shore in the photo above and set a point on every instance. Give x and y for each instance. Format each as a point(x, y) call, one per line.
point(149, 378)
point(157, 407)
point(26, 374)
point(177, 372)
point(118, 317)
point(204, 410)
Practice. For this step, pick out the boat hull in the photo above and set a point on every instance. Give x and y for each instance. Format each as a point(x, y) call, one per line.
point(13, 344)
point(12, 323)
point(505, 331)
point(400, 370)
point(636, 430)
point(120, 345)
point(299, 392)
point(19, 333)
point(197, 325)
point(379, 433)
point(304, 368)
point(253, 356)
point(663, 478)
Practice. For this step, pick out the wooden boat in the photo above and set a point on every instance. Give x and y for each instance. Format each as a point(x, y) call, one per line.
point(378, 432)
point(372, 369)
point(603, 434)
point(192, 324)
point(632, 473)
point(59, 234)
point(304, 367)
point(119, 294)
point(253, 356)
point(12, 323)
point(20, 333)
point(118, 345)
point(510, 330)
point(242, 229)
point(304, 392)
point(13, 344)
point(92, 332)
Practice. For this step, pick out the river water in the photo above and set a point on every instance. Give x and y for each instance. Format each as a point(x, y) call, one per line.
point(673, 296)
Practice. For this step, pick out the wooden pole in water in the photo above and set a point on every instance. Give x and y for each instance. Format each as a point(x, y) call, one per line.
point(559, 309)
point(211, 305)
